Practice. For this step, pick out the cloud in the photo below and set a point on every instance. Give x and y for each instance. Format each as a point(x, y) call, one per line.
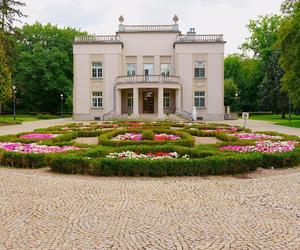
point(101, 16)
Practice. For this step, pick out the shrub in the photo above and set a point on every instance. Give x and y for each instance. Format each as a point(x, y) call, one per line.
point(69, 164)
point(148, 135)
point(46, 116)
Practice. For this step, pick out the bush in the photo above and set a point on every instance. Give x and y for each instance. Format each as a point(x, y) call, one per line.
point(19, 160)
point(46, 116)
point(148, 135)
point(186, 138)
point(69, 164)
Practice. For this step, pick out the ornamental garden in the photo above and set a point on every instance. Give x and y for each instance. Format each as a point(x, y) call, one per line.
point(122, 148)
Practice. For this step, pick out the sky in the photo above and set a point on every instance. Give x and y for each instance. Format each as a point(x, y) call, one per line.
point(228, 17)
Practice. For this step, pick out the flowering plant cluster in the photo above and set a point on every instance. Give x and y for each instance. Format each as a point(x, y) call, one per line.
point(33, 148)
point(38, 136)
point(256, 136)
point(264, 147)
point(148, 156)
point(139, 137)
point(221, 130)
point(164, 137)
point(128, 137)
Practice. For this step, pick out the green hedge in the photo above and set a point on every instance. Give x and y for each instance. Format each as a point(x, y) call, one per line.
point(186, 138)
point(19, 160)
point(211, 165)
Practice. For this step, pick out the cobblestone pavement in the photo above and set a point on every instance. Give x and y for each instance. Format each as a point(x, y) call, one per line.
point(42, 210)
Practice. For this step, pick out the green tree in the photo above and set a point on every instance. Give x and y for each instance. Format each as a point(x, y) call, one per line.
point(230, 90)
point(45, 66)
point(262, 40)
point(246, 74)
point(5, 79)
point(289, 45)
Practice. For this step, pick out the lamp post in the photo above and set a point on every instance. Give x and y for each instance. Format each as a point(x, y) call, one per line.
point(236, 102)
point(290, 107)
point(61, 105)
point(14, 97)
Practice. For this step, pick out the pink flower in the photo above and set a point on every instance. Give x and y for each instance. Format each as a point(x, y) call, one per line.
point(264, 147)
point(38, 136)
point(34, 148)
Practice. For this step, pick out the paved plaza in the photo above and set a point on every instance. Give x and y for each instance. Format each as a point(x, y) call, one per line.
point(43, 210)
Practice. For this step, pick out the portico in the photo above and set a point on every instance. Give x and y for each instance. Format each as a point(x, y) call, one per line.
point(145, 98)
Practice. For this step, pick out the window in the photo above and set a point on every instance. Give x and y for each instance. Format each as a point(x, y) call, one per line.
point(200, 69)
point(200, 99)
point(165, 69)
point(148, 69)
point(130, 100)
point(96, 69)
point(131, 69)
point(97, 101)
point(167, 100)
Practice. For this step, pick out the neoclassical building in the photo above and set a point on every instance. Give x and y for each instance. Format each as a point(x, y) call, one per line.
point(148, 69)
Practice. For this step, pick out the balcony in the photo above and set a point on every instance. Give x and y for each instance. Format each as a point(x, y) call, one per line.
point(98, 39)
point(193, 38)
point(148, 79)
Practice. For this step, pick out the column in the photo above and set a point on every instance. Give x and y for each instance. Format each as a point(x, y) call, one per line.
point(118, 101)
point(135, 101)
point(160, 104)
point(178, 100)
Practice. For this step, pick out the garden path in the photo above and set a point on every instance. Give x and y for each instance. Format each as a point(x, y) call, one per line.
point(44, 210)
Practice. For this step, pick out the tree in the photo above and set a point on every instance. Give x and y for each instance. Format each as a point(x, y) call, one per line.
point(230, 90)
point(289, 45)
point(9, 13)
point(246, 74)
point(44, 66)
point(262, 41)
point(5, 79)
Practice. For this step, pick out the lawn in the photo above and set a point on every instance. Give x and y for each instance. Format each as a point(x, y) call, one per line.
point(295, 121)
point(8, 119)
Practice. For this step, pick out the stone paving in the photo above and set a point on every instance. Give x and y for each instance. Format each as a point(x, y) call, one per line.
point(43, 210)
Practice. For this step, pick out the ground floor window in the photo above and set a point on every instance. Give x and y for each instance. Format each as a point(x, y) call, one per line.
point(200, 99)
point(167, 100)
point(97, 100)
point(130, 100)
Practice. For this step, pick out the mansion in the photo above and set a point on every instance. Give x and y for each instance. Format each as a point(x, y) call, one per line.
point(148, 69)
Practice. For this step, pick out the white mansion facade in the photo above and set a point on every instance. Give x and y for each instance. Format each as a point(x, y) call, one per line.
point(148, 69)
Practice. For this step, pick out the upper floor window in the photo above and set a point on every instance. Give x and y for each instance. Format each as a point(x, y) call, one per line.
point(97, 100)
point(148, 69)
point(200, 99)
point(167, 100)
point(131, 69)
point(199, 69)
point(165, 69)
point(130, 100)
point(97, 69)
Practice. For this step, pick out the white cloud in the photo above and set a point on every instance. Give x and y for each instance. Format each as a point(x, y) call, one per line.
point(207, 16)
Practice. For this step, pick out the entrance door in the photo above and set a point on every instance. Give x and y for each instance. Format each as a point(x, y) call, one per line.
point(148, 102)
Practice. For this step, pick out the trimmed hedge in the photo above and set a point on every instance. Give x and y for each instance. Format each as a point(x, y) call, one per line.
point(186, 139)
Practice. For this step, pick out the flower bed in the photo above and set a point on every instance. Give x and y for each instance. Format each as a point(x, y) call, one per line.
point(28, 148)
point(263, 147)
point(256, 136)
point(148, 156)
point(139, 137)
point(38, 136)
point(221, 130)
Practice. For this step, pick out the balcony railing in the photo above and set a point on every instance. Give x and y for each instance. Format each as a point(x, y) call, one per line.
point(148, 28)
point(97, 39)
point(200, 38)
point(148, 79)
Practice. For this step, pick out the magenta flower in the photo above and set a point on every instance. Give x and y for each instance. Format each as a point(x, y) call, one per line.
point(264, 147)
point(34, 148)
point(38, 136)
point(256, 136)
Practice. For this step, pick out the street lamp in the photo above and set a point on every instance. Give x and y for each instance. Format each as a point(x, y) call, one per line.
point(14, 97)
point(61, 105)
point(236, 101)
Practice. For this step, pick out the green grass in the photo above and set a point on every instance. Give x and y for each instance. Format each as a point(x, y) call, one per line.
point(276, 119)
point(9, 119)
